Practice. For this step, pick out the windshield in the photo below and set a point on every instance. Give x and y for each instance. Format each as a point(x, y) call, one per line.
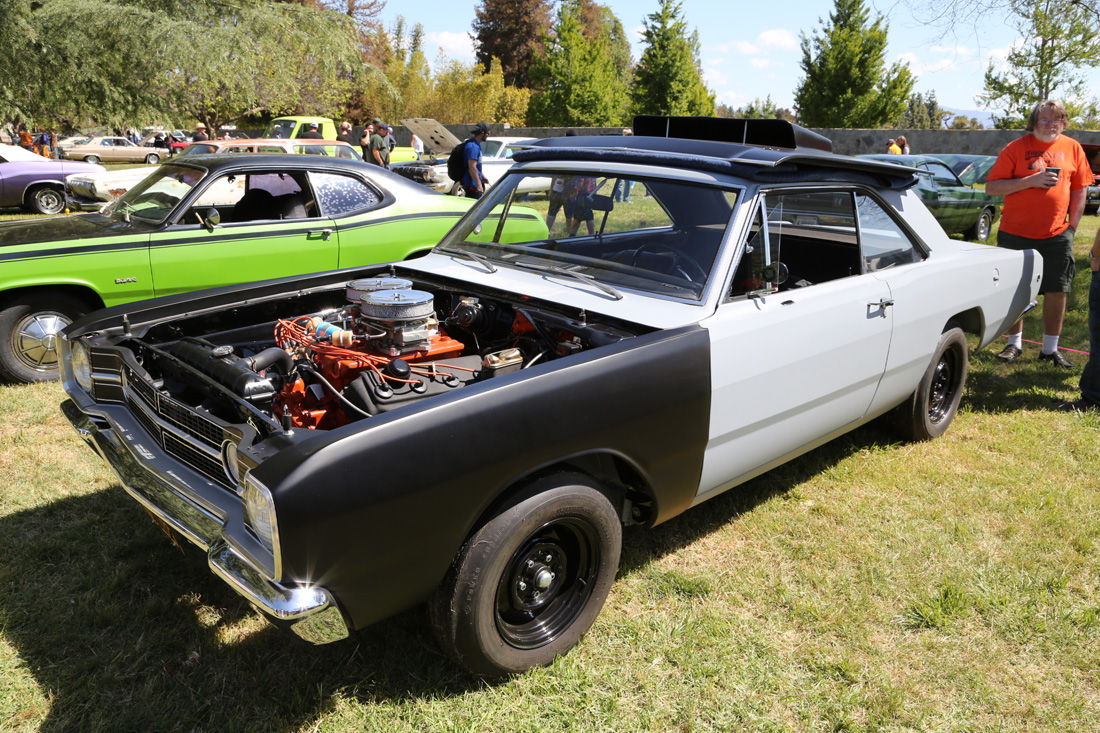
point(648, 234)
point(280, 128)
point(153, 199)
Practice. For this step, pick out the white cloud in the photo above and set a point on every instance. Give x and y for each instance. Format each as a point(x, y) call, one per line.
point(714, 78)
point(759, 63)
point(918, 66)
point(778, 38)
point(455, 45)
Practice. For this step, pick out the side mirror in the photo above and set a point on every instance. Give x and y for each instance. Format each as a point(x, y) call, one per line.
point(602, 202)
point(212, 218)
point(776, 273)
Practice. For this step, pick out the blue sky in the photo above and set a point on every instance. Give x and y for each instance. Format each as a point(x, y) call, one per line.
point(750, 48)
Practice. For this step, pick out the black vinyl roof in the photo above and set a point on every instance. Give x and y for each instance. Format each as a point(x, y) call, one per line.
point(773, 152)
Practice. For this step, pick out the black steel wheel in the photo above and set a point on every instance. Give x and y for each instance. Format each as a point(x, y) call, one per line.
point(30, 327)
point(532, 580)
point(46, 200)
point(930, 409)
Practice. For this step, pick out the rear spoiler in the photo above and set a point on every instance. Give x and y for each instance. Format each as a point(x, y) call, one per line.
point(763, 132)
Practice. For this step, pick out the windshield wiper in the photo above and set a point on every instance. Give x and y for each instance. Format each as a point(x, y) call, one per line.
point(475, 257)
point(554, 269)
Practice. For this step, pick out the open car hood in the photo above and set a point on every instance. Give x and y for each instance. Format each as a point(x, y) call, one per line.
point(437, 139)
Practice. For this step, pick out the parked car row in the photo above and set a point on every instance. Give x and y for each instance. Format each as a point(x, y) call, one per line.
point(91, 191)
point(472, 429)
point(200, 222)
point(35, 183)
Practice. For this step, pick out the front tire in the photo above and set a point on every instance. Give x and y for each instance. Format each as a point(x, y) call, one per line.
point(930, 409)
point(91, 158)
point(979, 232)
point(30, 327)
point(530, 582)
point(46, 201)
point(152, 159)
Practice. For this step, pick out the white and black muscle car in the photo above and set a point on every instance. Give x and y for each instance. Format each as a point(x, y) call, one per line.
point(472, 429)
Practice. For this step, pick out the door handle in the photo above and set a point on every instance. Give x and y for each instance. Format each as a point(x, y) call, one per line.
point(326, 234)
point(882, 305)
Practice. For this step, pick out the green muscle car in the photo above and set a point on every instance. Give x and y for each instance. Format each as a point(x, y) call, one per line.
point(205, 222)
point(958, 207)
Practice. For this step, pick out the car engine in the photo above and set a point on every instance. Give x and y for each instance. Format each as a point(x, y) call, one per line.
point(389, 344)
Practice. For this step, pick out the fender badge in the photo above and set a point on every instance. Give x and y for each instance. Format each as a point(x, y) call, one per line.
point(121, 280)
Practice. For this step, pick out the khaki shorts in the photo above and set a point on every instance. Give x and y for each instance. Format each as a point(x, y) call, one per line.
point(1057, 251)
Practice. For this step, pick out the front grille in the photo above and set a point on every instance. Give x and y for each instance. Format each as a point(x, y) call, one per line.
point(202, 462)
point(176, 424)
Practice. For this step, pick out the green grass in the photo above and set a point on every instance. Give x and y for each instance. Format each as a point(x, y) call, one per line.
point(870, 585)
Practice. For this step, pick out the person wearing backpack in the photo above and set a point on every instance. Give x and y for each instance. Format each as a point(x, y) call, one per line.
point(473, 180)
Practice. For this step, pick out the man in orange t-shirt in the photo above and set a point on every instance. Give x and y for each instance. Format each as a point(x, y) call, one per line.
point(1043, 177)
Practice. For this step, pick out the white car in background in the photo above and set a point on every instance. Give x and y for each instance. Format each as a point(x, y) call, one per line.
point(439, 141)
point(91, 191)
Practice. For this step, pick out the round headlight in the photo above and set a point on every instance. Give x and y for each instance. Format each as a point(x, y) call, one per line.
point(82, 365)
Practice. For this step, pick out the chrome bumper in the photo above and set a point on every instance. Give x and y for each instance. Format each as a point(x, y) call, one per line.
point(309, 612)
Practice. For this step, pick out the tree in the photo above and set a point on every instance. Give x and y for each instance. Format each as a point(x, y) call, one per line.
point(757, 109)
point(669, 79)
point(410, 78)
point(463, 93)
point(575, 79)
point(962, 122)
point(846, 82)
point(922, 113)
point(511, 31)
point(126, 63)
point(1062, 38)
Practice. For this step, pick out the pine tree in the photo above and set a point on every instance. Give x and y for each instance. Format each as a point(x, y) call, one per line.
point(575, 78)
point(512, 31)
point(846, 81)
point(668, 80)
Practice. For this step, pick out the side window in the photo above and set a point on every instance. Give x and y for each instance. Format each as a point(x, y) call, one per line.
point(943, 175)
point(339, 195)
point(756, 261)
point(814, 233)
point(883, 242)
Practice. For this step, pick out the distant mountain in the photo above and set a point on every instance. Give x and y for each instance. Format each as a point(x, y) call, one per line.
point(980, 115)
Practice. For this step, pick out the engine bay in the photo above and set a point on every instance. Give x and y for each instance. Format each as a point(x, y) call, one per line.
point(378, 344)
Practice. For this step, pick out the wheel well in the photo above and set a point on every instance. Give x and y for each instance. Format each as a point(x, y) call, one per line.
point(84, 294)
point(29, 191)
point(970, 321)
point(624, 485)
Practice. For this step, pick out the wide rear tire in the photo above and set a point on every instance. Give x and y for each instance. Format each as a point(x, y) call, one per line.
point(531, 581)
point(930, 409)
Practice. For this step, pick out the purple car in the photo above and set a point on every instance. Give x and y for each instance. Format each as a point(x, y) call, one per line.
point(36, 183)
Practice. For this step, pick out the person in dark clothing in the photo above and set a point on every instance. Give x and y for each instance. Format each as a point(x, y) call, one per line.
point(311, 133)
point(379, 150)
point(345, 133)
point(199, 135)
point(474, 181)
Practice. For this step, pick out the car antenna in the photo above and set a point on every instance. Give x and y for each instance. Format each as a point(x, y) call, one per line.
point(125, 324)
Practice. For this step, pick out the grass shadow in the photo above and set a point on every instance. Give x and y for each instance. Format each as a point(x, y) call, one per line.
point(644, 546)
point(121, 632)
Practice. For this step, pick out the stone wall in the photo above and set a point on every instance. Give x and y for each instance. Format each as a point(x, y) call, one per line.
point(845, 142)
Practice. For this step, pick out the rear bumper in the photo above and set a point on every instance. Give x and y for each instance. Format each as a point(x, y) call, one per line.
point(200, 516)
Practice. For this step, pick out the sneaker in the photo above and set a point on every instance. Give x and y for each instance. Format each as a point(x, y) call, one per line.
point(1077, 406)
point(1010, 352)
point(1057, 359)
